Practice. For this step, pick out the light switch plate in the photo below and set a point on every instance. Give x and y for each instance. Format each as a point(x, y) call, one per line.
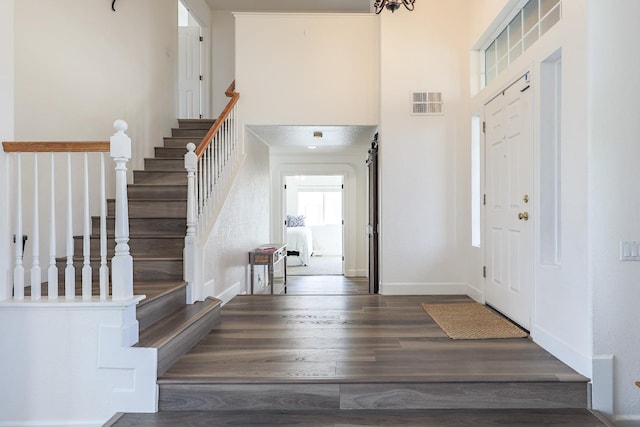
point(629, 251)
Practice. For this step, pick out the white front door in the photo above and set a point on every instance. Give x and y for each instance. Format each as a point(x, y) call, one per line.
point(189, 72)
point(509, 252)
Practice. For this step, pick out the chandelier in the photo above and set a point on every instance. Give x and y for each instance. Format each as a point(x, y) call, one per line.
point(392, 5)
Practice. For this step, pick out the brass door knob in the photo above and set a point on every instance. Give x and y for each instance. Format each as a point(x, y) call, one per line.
point(523, 216)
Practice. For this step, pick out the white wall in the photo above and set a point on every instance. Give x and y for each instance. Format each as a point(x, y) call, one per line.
point(6, 134)
point(222, 57)
point(423, 159)
point(297, 69)
point(64, 364)
point(79, 66)
point(242, 225)
point(614, 203)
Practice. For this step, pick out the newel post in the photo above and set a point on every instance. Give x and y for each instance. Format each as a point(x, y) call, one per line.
point(190, 164)
point(122, 261)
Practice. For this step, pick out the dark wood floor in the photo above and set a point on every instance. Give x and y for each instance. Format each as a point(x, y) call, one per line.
point(327, 285)
point(359, 359)
point(395, 418)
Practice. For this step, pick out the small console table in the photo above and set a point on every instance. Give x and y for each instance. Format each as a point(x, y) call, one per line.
point(269, 254)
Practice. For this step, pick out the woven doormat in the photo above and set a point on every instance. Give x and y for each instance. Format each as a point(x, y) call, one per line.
point(471, 321)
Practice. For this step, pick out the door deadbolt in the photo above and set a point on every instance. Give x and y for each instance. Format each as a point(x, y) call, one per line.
point(523, 216)
point(525, 198)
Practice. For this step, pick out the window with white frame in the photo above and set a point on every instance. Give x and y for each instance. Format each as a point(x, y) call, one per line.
point(320, 206)
point(531, 22)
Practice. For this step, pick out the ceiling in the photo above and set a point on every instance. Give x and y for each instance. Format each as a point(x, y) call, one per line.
point(336, 139)
point(349, 6)
point(298, 139)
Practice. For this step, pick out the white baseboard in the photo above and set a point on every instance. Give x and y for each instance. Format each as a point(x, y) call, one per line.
point(229, 293)
point(563, 351)
point(602, 379)
point(475, 294)
point(627, 421)
point(208, 289)
point(424, 288)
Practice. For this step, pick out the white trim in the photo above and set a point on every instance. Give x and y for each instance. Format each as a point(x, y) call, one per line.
point(64, 304)
point(444, 288)
point(602, 390)
point(230, 292)
point(498, 24)
point(475, 293)
point(563, 351)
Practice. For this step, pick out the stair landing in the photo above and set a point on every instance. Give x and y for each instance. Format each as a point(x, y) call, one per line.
point(361, 360)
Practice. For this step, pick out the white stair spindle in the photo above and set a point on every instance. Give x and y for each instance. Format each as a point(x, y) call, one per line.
point(86, 235)
point(36, 272)
point(190, 164)
point(122, 261)
point(69, 271)
point(18, 270)
point(104, 268)
point(52, 276)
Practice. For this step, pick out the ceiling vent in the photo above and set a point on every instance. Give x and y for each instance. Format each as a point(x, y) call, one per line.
point(426, 103)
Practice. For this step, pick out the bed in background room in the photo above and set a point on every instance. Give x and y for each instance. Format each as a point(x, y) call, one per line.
point(299, 240)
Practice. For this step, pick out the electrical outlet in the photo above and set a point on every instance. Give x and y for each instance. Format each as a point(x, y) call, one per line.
point(629, 251)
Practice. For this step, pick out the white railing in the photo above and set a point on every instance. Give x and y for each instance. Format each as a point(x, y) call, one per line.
point(211, 167)
point(62, 157)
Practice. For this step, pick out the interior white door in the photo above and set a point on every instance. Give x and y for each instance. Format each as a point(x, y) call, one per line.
point(509, 252)
point(189, 72)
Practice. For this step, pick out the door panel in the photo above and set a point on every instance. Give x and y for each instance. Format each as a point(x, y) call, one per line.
point(372, 165)
point(509, 184)
point(189, 73)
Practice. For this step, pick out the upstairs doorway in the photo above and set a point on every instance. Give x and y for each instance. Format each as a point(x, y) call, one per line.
point(190, 73)
point(314, 225)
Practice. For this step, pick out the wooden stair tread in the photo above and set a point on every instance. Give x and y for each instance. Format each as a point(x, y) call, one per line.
point(155, 289)
point(389, 417)
point(172, 325)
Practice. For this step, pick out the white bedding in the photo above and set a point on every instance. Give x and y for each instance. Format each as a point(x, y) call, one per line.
point(300, 239)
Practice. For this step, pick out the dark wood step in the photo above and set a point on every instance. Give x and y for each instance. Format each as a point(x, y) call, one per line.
point(254, 394)
point(164, 165)
point(195, 133)
point(152, 208)
point(394, 418)
point(144, 226)
point(163, 298)
point(195, 123)
point(157, 191)
point(180, 142)
point(177, 333)
point(146, 247)
point(144, 269)
point(160, 177)
point(172, 153)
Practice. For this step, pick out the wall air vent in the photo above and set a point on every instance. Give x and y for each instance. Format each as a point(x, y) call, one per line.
point(426, 103)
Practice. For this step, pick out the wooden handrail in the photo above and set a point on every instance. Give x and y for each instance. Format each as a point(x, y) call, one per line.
point(55, 146)
point(206, 141)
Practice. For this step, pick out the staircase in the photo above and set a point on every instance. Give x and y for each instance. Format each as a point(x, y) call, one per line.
point(157, 226)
